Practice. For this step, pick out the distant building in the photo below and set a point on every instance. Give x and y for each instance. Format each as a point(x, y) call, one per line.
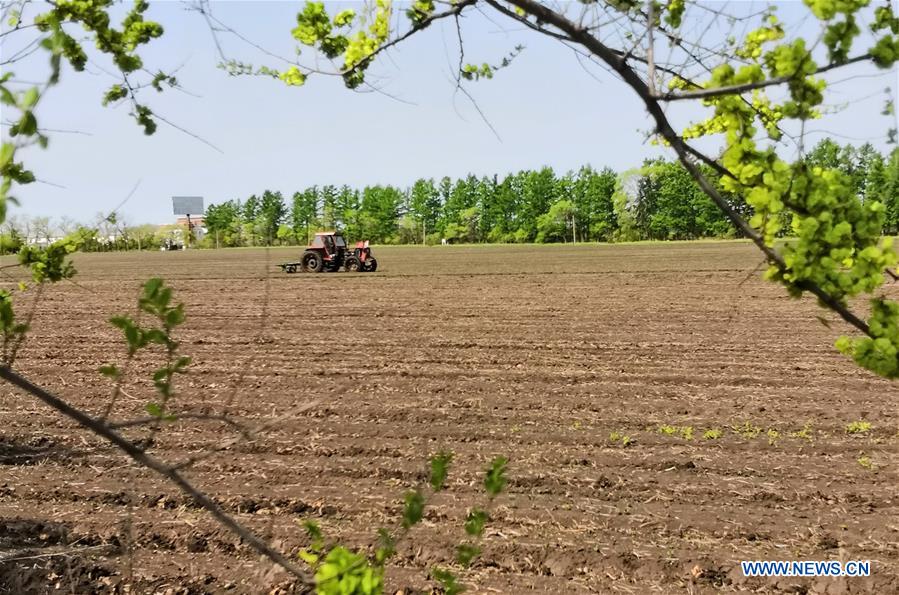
point(197, 224)
point(42, 242)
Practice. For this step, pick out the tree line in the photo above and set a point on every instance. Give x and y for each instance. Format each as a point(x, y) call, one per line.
point(540, 206)
point(658, 201)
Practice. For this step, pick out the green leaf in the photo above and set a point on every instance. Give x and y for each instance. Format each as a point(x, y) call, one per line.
point(293, 77)
point(313, 530)
point(6, 97)
point(7, 150)
point(440, 469)
point(110, 371)
point(30, 98)
point(115, 93)
point(474, 524)
point(447, 581)
point(156, 336)
point(466, 552)
point(154, 409)
point(308, 557)
point(413, 509)
point(121, 322)
point(133, 336)
point(175, 316)
point(152, 287)
point(344, 17)
point(387, 546)
point(26, 126)
point(495, 480)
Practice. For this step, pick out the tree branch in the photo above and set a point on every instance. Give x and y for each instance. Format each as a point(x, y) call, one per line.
point(161, 468)
point(738, 89)
point(454, 11)
point(583, 37)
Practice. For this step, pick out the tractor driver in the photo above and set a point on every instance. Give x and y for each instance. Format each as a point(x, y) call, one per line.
point(329, 244)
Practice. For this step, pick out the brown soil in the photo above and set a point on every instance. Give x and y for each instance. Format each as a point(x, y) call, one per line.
point(539, 354)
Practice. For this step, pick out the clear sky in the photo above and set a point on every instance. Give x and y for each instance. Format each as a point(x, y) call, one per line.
point(547, 109)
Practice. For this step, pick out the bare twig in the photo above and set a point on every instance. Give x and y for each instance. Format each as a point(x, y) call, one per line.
point(166, 471)
point(188, 132)
point(17, 557)
point(650, 49)
point(143, 421)
point(260, 337)
point(11, 357)
point(460, 88)
point(226, 444)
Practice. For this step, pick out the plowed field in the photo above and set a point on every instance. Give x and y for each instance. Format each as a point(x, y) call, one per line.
point(666, 414)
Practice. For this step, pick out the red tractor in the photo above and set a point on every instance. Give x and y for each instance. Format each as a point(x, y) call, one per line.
point(329, 252)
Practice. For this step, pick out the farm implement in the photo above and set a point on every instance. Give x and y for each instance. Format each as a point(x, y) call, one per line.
point(329, 252)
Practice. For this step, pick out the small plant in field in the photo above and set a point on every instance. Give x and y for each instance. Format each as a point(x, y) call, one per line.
point(747, 430)
point(858, 427)
point(805, 433)
point(712, 434)
point(685, 432)
point(621, 437)
point(773, 436)
point(577, 425)
point(866, 462)
point(342, 571)
point(667, 430)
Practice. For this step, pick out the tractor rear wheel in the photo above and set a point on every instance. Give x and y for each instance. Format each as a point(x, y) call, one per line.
point(352, 265)
point(312, 262)
point(371, 265)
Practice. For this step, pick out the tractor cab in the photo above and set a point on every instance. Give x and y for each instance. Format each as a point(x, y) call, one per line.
point(332, 243)
point(327, 251)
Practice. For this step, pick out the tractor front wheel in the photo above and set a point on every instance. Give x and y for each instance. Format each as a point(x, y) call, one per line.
point(371, 265)
point(312, 262)
point(352, 265)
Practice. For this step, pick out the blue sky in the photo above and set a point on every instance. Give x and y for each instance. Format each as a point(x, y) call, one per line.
point(546, 108)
